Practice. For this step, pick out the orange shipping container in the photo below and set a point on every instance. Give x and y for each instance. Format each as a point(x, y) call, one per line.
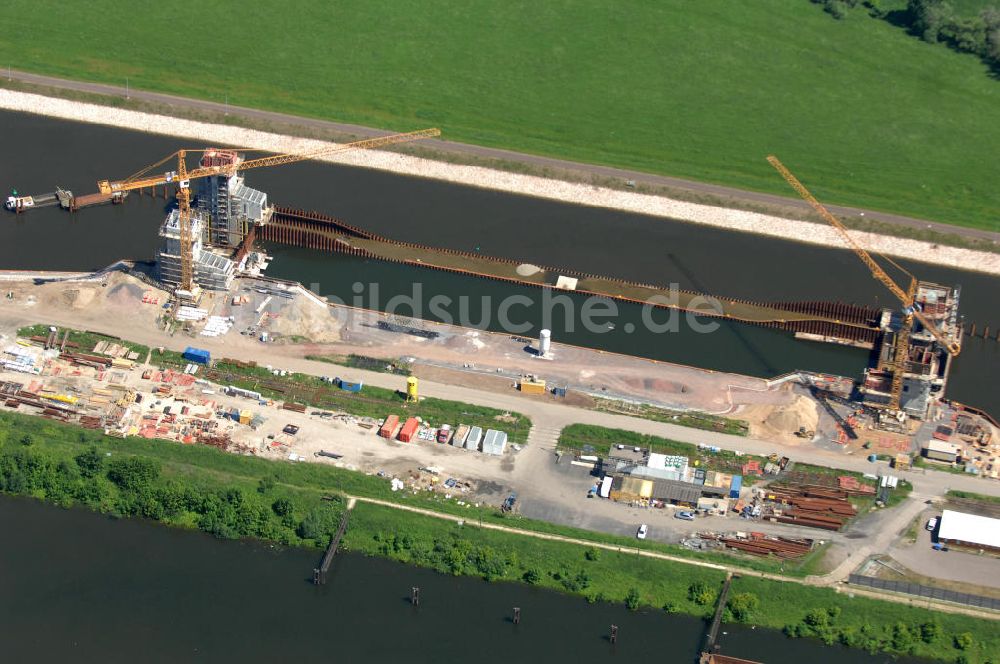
point(409, 430)
point(389, 426)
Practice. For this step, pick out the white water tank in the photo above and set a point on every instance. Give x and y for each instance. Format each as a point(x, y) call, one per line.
point(544, 342)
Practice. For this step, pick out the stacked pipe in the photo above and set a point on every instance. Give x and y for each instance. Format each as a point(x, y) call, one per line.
point(780, 547)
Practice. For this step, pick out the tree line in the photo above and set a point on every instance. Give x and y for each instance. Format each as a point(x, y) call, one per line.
point(129, 486)
point(935, 21)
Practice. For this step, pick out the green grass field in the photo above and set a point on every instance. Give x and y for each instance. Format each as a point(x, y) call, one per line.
point(862, 112)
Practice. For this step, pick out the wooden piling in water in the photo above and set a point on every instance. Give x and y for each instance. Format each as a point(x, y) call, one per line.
point(517, 615)
point(614, 634)
point(415, 596)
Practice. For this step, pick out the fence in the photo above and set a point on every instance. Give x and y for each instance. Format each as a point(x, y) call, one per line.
point(926, 591)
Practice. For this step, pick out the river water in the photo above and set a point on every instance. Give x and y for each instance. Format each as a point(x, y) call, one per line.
point(51, 152)
point(78, 586)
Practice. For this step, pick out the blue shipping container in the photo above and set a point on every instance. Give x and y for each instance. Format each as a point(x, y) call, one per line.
point(735, 486)
point(197, 355)
point(350, 387)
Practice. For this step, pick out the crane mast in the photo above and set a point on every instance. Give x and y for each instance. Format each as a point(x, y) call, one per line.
point(907, 298)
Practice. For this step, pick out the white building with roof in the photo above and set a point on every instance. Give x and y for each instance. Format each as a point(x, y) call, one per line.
point(971, 530)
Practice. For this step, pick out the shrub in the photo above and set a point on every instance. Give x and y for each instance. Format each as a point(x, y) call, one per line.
point(133, 473)
point(90, 462)
point(742, 605)
point(700, 593)
point(632, 599)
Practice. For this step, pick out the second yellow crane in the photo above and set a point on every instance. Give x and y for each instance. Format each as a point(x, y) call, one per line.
point(907, 297)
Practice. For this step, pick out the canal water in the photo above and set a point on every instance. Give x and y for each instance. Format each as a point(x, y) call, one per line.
point(78, 586)
point(51, 152)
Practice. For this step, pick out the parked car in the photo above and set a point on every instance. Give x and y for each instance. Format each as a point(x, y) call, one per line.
point(686, 516)
point(932, 524)
point(642, 532)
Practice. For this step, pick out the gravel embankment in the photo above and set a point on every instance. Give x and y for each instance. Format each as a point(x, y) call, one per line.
point(530, 185)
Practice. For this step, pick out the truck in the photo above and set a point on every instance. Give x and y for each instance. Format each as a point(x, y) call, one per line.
point(444, 434)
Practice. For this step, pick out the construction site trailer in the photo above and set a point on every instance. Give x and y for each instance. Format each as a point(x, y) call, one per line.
point(942, 451)
point(605, 490)
point(349, 386)
point(532, 386)
point(409, 430)
point(197, 355)
point(495, 442)
point(474, 439)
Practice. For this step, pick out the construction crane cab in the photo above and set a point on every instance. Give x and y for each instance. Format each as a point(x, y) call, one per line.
point(215, 161)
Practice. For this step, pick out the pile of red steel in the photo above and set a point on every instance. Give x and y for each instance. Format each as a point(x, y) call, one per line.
point(816, 505)
point(86, 360)
point(221, 441)
point(294, 407)
point(760, 544)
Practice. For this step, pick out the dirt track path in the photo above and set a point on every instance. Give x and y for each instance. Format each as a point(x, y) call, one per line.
point(832, 579)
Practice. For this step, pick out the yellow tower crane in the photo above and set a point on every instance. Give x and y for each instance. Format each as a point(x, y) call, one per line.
point(897, 365)
point(148, 177)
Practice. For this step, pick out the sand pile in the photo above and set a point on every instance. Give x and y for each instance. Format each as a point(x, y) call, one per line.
point(780, 421)
point(802, 412)
point(308, 319)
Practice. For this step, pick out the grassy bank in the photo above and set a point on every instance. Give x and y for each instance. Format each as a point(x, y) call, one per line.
point(692, 419)
point(969, 495)
point(598, 575)
point(353, 361)
point(187, 486)
point(864, 113)
point(870, 624)
point(234, 496)
point(591, 439)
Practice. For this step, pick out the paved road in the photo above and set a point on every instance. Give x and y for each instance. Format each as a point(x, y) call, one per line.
point(478, 151)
